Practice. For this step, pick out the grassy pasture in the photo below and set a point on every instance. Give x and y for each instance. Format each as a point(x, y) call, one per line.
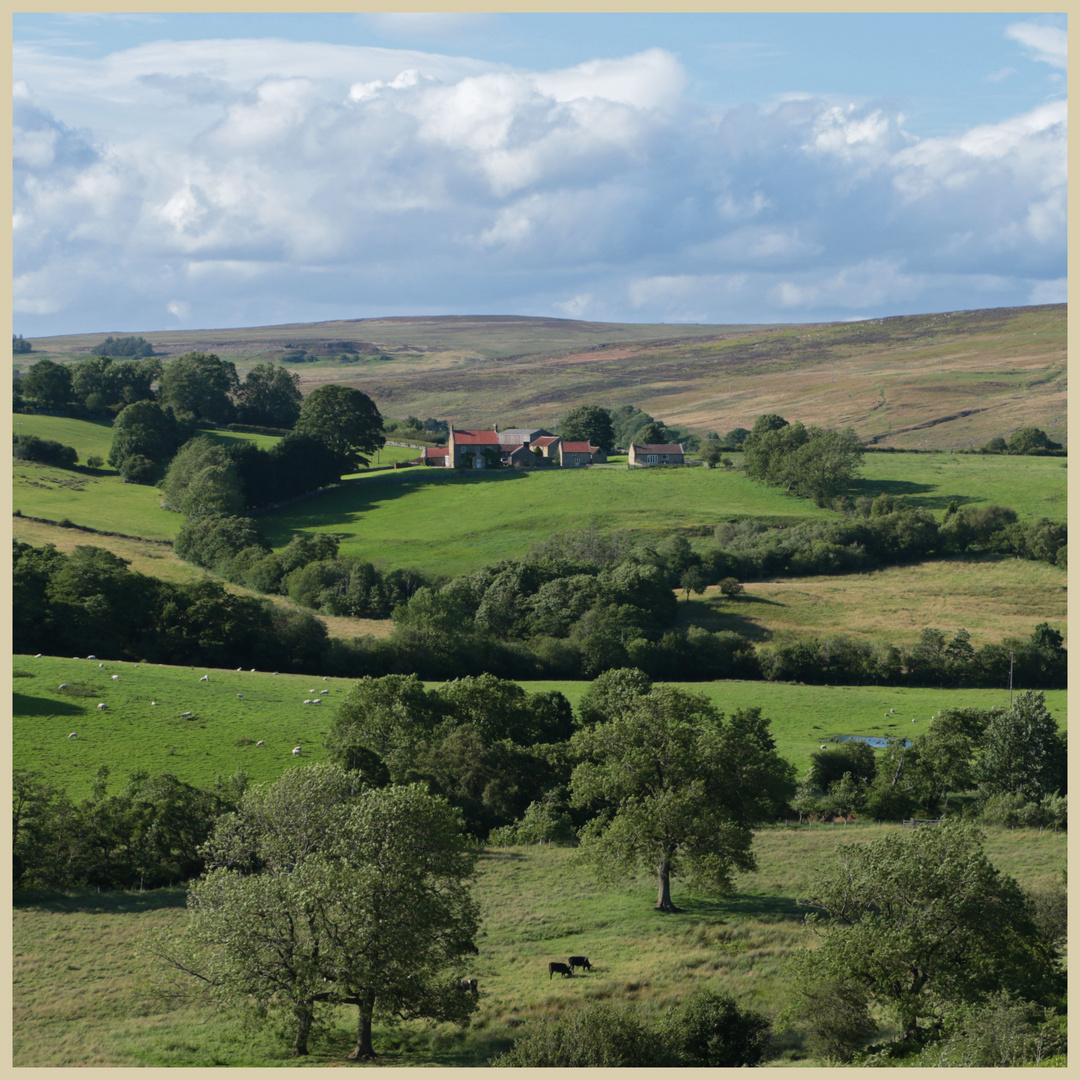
point(80, 987)
point(133, 734)
point(993, 597)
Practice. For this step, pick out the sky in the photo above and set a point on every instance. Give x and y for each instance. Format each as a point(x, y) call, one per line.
point(197, 171)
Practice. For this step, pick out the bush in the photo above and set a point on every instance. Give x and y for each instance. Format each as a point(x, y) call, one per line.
point(592, 1036)
point(836, 1020)
point(46, 451)
point(997, 1033)
point(138, 469)
point(709, 1030)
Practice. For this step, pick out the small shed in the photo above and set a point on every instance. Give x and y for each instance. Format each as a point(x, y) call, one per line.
point(657, 454)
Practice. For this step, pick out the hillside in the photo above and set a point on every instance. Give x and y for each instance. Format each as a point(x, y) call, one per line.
point(944, 381)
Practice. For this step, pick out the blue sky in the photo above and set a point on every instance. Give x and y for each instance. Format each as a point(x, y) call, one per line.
point(208, 170)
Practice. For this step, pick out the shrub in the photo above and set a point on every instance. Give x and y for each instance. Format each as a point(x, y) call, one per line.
point(138, 469)
point(836, 1020)
point(46, 451)
point(592, 1036)
point(709, 1030)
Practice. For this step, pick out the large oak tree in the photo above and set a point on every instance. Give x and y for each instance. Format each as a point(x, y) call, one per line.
point(347, 420)
point(679, 787)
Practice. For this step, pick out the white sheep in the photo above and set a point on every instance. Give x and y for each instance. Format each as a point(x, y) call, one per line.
point(184, 715)
point(101, 665)
point(253, 670)
point(316, 702)
point(62, 686)
point(297, 751)
point(91, 657)
point(153, 702)
point(307, 701)
point(822, 746)
point(114, 677)
point(37, 656)
point(261, 742)
point(239, 669)
point(325, 679)
point(239, 697)
point(205, 678)
point(73, 735)
point(101, 705)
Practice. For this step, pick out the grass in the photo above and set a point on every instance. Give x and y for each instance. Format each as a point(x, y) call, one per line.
point(220, 736)
point(992, 597)
point(80, 985)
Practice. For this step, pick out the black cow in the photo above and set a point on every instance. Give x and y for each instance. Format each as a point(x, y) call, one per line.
point(579, 962)
point(562, 969)
point(467, 984)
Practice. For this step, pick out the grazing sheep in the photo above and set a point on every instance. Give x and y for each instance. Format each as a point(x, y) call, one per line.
point(822, 746)
point(205, 678)
point(91, 658)
point(253, 670)
point(261, 742)
point(239, 697)
point(114, 677)
point(325, 679)
point(307, 701)
point(101, 665)
point(101, 705)
point(239, 669)
point(184, 715)
point(153, 702)
point(316, 702)
point(297, 751)
point(62, 686)
point(37, 656)
point(73, 735)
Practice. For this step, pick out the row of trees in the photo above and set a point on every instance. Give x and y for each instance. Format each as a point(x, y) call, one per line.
point(1026, 440)
point(146, 835)
point(981, 757)
point(89, 600)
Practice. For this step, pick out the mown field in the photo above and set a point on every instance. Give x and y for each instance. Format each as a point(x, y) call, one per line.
point(221, 735)
point(81, 988)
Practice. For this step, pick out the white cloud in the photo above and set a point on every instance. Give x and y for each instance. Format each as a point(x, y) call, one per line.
point(269, 180)
point(1047, 44)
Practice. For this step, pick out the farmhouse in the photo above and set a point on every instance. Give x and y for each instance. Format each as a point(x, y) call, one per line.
point(656, 454)
point(575, 454)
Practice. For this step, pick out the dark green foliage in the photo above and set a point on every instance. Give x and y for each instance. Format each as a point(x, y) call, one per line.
point(148, 430)
point(47, 384)
point(47, 451)
point(923, 922)
point(709, 1030)
point(346, 420)
point(1031, 440)
point(589, 1036)
point(19, 344)
point(1023, 752)
point(683, 786)
point(123, 346)
point(139, 469)
point(214, 539)
point(147, 835)
point(813, 462)
point(270, 395)
point(834, 1018)
point(588, 423)
point(198, 385)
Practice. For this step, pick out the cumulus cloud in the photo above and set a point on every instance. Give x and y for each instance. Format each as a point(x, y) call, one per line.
point(240, 182)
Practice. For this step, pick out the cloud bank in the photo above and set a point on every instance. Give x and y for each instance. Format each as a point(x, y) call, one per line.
point(219, 183)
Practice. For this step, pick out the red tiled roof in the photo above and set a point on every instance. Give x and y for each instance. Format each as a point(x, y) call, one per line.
point(436, 451)
point(658, 448)
point(476, 438)
point(578, 448)
point(546, 440)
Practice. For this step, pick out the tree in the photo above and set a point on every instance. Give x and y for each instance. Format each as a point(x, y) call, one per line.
point(589, 423)
point(123, 346)
point(1023, 751)
point(321, 892)
point(48, 384)
point(920, 921)
point(19, 344)
point(346, 420)
point(191, 459)
point(684, 788)
point(270, 395)
point(145, 429)
point(198, 385)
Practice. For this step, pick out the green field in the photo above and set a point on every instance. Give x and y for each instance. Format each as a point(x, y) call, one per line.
point(221, 734)
point(81, 986)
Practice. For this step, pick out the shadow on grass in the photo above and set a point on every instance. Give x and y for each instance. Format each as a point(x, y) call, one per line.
point(742, 904)
point(357, 495)
point(106, 903)
point(25, 705)
point(924, 495)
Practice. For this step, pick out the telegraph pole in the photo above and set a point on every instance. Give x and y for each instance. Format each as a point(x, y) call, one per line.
point(1012, 657)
